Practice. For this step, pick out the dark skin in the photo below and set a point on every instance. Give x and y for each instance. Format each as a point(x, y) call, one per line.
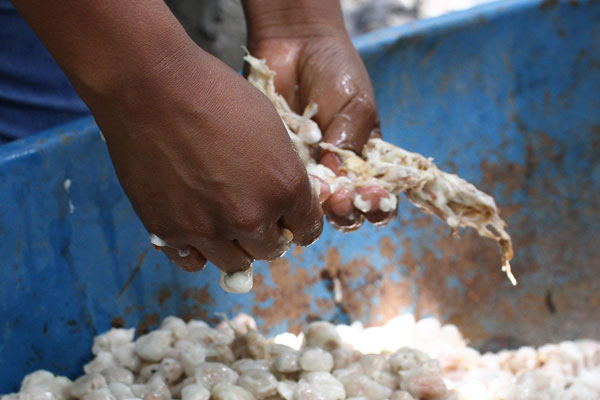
point(201, 154)
point(306, 44)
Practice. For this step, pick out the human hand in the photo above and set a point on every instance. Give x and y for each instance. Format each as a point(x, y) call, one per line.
point(201, 154)
point(319, 64)
point(207, 163)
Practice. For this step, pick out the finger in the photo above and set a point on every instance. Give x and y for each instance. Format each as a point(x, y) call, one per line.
point(370, 197)
point(286, 78)
point(376, 203)
point(305, 219)
point(345, 223)
point(189, 259)
point(266, 247)
point(226, 255)
point(340, 211)
point(321, 188)
point(351, 127)
point(379, 217)
point(331, 161)
point(341, 202)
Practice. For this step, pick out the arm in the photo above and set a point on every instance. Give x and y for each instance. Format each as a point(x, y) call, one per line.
point(201, 154)
point(103, 45)
point(293, 19)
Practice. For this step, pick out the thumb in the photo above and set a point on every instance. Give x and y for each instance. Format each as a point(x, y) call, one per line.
point(354, 124)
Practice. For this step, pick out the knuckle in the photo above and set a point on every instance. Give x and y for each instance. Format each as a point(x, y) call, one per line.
point(159, 230)
point(232, 265)
point(296, 187)
point(182, 231)
point(316, 229)
point(312, 229)
point(201, 231)
point(312, 234)
point(186, 235)
point(249, 223)
point(200, 261)
point(364, 103)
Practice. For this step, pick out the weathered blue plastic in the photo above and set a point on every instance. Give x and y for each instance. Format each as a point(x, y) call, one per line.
point(507, 94)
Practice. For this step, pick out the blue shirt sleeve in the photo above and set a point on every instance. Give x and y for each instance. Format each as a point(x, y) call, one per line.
point(34, 92)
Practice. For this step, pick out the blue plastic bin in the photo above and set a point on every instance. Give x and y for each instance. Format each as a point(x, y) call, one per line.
point(507, 95)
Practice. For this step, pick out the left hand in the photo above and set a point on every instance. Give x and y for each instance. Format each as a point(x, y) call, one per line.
point(326, 69)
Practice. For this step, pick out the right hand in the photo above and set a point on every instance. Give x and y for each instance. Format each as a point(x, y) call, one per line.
point(207, 163)
point(326, 69)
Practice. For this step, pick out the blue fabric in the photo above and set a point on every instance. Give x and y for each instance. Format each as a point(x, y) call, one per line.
point(34, 92)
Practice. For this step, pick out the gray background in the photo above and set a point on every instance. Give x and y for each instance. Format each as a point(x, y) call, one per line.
point(219, 26)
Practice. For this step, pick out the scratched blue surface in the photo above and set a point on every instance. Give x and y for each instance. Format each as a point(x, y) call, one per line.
point(507, 94)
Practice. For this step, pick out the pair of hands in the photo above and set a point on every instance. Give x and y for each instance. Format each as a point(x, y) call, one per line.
point(207, 163)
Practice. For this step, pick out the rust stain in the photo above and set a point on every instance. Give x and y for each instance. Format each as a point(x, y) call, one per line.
point(362, 282)
point(393, 297)
point(458, 279)
point(135, 271)
point(65, 139)
point(199, 295)
point(422, 221)
point(473, 296)
point(324, 304)
point(18, 251)
point(290, 302)
point(466, 259)
point(200, 306)
point(261, 294)
point(297, 251)
point(387, 247)
point(164, 295)
point(117, 322)
point(476, 331)
point(510, 174)
point(148, 323)
point(595, 143)
point(548, 4)
point(471, 260)
point(507, 310)
point(414, 39)
point(429, 54)
point(444, 83)
point(547, 96)
point(431, 277)
point(359, 280)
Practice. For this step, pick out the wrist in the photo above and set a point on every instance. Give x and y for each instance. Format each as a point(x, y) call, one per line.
point(293, 19)
point(115, 67)
point(153, 91)
point(130, 77)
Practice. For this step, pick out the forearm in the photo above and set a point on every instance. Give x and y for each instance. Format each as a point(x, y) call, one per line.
point(292, 18)
point(102, 44)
